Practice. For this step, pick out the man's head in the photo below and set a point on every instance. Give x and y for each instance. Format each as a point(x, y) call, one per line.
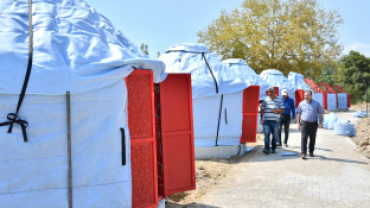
point(271, 92)
point(284, 94)
point(308, 95)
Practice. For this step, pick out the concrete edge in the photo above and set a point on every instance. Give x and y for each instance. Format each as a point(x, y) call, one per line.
point(220, 151)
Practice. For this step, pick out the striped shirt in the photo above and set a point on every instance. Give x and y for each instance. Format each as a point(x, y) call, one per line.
point(310, 111)
point(269, 104)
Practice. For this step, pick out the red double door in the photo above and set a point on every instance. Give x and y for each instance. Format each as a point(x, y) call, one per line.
point(160, 122)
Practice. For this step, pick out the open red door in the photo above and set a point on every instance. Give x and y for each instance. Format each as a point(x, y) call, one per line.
point(140, 109)
point(177, 134)
point(325, 101)
point(251, 97)
point(299, 97)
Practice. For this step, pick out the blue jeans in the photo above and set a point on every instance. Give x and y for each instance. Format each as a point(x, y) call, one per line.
point(268, 128)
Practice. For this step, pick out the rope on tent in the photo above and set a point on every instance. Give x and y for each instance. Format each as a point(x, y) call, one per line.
point(13, 117)
point(210, 70)
point(70, 190)
point(219, 119)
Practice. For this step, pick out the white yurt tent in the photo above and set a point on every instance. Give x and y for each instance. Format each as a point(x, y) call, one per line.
point(278, 79)
point(300, 84)
point(78, 50)
point(217, 94)
point(243, 69)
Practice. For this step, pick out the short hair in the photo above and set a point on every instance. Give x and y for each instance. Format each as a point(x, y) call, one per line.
point(309, 91)
point(271, 89)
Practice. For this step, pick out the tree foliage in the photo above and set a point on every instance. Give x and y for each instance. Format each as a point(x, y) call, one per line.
point(144, 48)
point(288, 35)
point(349, 78)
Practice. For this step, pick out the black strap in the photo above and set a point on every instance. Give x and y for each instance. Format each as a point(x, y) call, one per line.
point(123, 146)
point(226, 122)
point(13, 117)
point(219, 118)
point(210, 70)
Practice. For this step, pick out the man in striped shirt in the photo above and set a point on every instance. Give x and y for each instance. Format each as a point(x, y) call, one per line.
point(271, 108)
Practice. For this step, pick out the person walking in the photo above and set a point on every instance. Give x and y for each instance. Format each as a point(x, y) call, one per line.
point(271, 108)
point(307, 115)
point(285, 116)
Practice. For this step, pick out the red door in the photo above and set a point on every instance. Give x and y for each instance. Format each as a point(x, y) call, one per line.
point(325, 101)
point(299, 97)
point(140, 109)
point(251, 97)
point(177, 134)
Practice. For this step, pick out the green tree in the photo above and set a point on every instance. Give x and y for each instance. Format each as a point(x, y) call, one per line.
point(144, 48)
point(289, 35)
point(326, 75)
point(158, 54)
point(349, 78)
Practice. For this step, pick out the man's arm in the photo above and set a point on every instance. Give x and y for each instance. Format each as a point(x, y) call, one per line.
point(293, 109)
point(262, 111)
point(299, 121)
point(321, 117)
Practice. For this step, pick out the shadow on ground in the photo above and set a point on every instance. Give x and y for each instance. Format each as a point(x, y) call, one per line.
point(256, 155)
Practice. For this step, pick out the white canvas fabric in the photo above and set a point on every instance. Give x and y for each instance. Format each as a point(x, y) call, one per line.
point(243, 69)
point(188, 57)
point(298, 81)
point(35, 173)
point(332, 102)
point(319, 98)
point(342, 101)
point(277, 79)
point(76, 49)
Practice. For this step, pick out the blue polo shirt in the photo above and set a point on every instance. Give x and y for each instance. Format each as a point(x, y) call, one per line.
point(289, 106)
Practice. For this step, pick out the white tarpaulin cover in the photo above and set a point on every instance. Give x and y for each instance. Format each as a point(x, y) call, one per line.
point(243, 69)
point(277, 79)
point(319, 98)
point(75, 49)
point(342, 101)
point(298, 81)
point(332, 102)
point(188, 57)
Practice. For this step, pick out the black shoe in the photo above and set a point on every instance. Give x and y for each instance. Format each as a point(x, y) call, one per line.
point(272, 151)
point(286, 144)
point(265, 151)
point(278, 144)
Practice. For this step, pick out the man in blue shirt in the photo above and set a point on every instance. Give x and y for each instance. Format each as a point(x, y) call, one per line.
point(285, 117)
point(307, 115)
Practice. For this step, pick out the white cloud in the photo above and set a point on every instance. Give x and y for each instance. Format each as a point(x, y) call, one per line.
point(360, 47)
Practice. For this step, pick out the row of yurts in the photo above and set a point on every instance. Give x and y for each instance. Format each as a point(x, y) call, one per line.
point(134, 120)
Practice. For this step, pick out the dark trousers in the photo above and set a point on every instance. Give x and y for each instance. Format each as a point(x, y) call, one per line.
point(308, 130)
point(284, 121)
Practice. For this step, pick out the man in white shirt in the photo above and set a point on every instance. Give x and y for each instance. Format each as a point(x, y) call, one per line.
point(271, 108)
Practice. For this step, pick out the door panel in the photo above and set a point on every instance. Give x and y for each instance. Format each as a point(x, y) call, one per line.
point(249, 128)
point(299, 96)
point(251, 99)
point(177, 134)
point(250, 114)
point(140, 110)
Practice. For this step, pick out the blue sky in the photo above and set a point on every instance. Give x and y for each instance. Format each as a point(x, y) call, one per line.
point(162, 23)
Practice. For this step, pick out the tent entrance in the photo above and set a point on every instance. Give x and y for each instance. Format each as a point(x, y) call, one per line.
point(160, 122)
